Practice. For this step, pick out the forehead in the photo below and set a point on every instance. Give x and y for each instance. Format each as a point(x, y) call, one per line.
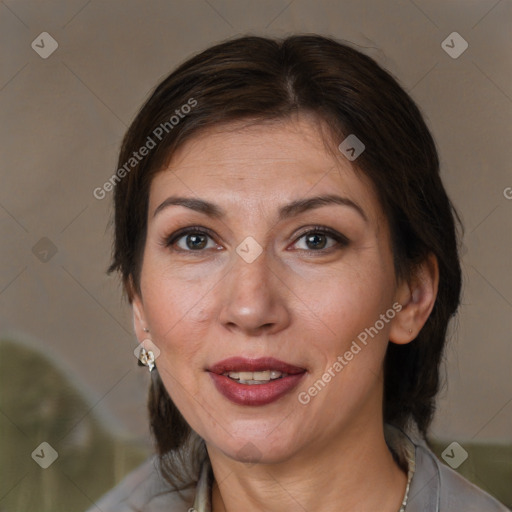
point(262, 165)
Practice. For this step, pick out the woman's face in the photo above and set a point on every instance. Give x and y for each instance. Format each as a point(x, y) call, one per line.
point(266, 272)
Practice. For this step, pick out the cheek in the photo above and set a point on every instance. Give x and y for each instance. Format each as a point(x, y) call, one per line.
point(344, 301)
point(173, 310)
point(347, 304)
point(347, 350)
point(169, 311)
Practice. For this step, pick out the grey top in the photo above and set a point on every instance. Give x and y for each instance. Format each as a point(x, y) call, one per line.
point(432, 486)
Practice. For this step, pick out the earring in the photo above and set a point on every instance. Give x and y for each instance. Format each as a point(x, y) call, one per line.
point(145, 329)
point(146, 358)
point(410, 331)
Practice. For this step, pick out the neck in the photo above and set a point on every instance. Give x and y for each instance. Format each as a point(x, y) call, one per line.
point(355, 472)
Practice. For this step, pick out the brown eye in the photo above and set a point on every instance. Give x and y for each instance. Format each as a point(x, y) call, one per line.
point(196, 241)
point(189, 240)
point(317, 240)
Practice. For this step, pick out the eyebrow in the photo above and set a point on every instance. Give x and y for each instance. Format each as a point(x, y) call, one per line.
point(289, 210)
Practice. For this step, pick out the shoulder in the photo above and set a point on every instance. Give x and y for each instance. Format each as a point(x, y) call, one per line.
point(439, 488)
point(458, 492)
point(144, 489)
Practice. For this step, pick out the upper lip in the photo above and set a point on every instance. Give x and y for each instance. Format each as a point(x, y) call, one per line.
point(242, 364)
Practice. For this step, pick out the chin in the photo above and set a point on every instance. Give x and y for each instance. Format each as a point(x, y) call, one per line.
point(258, 449)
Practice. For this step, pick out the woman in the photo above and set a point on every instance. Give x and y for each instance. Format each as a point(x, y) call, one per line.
point(290, 255)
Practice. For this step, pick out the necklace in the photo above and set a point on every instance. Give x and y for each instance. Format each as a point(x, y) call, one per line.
point(410, 473)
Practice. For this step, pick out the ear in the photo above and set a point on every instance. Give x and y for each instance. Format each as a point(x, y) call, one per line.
point(417, 298)
point(139, 318)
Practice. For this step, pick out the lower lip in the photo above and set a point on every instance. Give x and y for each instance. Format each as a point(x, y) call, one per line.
point(255, 394)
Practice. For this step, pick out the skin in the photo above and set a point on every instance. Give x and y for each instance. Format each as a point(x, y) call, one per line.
point(295, 302)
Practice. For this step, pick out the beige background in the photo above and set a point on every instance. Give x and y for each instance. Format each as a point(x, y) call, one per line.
point(63, 119)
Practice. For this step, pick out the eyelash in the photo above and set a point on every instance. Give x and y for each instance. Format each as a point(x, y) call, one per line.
point(341, 240)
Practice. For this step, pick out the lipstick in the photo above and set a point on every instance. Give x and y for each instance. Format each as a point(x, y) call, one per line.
point(254, 381)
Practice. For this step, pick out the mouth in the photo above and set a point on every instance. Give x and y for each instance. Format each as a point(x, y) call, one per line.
point(250, 378)
point(255, 381)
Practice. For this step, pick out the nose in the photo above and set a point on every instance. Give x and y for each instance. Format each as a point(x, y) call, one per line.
point(254, 298)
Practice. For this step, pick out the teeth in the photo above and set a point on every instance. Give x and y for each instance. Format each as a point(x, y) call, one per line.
point(262, 377)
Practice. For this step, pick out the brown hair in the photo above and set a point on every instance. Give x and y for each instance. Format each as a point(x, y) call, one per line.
point(258, 79)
